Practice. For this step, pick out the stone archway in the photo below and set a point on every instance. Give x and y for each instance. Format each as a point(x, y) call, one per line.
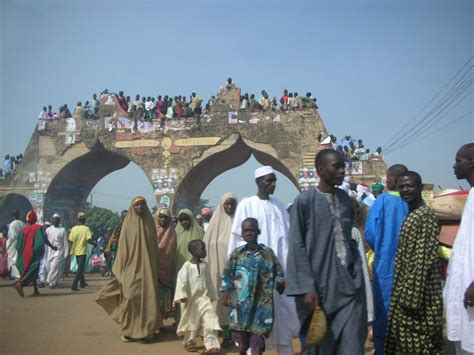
point(70, 187)
point(217, 162)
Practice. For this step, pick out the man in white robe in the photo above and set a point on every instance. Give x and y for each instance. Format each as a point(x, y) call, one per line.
point(273, 221)
point(13, 230)
point(57, 236)
point(459, 289)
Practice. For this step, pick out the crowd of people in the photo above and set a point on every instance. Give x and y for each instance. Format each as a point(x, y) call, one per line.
point(272, 268)
point(179, 107)
point(10, 164)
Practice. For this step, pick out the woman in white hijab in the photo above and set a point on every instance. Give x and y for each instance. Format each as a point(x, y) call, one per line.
point(217, 242)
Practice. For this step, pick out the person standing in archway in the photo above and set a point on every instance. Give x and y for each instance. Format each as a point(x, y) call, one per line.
point(30, 247)
point(79, 237)
point(216, 238)
point(57, 236)
point(273, 221)
point(166, 240)
point(131, 297)
point(14, 228)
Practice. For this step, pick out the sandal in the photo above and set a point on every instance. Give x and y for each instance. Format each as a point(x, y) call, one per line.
point(211, 351)
point(125, 339)
point(191, 347)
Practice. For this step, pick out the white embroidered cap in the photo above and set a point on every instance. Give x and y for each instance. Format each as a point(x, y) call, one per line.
point(263, 170)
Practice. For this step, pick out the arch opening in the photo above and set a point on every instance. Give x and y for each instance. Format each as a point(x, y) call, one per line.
point(69, 189)
point(201, 175)
point(11, 202)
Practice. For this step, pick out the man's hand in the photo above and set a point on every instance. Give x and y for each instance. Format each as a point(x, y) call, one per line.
point(311, 300)
point(469, 296)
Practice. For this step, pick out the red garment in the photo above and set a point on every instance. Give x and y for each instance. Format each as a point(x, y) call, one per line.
point(123, 103)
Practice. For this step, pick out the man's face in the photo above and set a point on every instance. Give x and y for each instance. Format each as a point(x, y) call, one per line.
point(391, 182)
point(139, 207)
point(409, 189)
point(333, 170)
point(249, 232)
point(267, 184)
point(229, 206)
point(163, 220)
point(463, 165)
point(185, 221)
point(56, 221)
point(123, 215)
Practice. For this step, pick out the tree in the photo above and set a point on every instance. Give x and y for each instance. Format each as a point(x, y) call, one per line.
point(100, 220)
point(203, 202)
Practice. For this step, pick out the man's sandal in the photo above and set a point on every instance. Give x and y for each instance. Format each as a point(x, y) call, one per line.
point(211, 351)
point(191, 347)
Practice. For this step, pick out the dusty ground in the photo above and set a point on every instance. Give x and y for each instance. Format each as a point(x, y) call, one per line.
point(64, 322)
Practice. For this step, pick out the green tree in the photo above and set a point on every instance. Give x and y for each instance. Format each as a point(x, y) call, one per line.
point(203, 202)
point(100, 220)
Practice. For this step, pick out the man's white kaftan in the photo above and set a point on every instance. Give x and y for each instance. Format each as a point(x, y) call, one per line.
point(460, 321)
point(57, 236)
point(13, 231)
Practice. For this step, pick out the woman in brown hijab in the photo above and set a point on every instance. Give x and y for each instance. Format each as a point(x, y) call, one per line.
point(166, 239)
point(131, 297)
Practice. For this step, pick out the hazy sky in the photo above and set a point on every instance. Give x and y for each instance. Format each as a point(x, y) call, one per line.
point(373, 65)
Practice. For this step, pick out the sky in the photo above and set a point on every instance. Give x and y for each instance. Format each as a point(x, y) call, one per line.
point(373, 65)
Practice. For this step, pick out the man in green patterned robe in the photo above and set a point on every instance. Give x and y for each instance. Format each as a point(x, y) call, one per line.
point(415, 324)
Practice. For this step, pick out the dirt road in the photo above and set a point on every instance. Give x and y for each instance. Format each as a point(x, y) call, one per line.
point(63, 322)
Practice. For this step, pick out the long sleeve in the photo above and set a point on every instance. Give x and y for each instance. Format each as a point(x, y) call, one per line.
point(227, 283)
point(182, 287)
point(422, 260)
point(373, 225)
point(300, 276)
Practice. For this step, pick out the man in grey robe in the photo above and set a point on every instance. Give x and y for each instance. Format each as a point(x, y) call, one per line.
point(324, 267)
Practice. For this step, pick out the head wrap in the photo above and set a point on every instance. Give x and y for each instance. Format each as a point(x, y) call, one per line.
point(138, 199)
point(263, 170)
point(81, 215)
point(377, 187)
point(164, 211)
point(206, 210)
point(31, 217)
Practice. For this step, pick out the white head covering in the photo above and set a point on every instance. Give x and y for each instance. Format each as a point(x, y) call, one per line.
point(56, 215)
point(263, 170)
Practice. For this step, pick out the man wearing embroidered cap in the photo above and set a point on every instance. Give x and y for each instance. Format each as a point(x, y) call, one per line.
point(80, 235)
point(57, 236)
point(273, 222)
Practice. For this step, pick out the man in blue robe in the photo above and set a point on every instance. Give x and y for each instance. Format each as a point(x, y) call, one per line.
point(383, 224)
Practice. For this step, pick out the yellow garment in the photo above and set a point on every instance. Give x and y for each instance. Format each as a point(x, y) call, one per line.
point(217, 242)
point(370, 255)
point(79, 236)
point(183, 237)
point(197, 312)
point(131, 297)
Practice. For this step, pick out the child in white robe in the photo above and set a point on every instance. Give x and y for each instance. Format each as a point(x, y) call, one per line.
point(195, 292)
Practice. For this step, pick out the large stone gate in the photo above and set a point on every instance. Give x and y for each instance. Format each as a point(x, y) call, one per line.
point(66, 158)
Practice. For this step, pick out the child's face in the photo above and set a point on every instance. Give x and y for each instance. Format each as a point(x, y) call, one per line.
point(249, 232)
point(185, 221)
point(201, 252)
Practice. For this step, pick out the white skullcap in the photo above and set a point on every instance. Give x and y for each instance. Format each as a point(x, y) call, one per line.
point(263, 170)
point(56, 215)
